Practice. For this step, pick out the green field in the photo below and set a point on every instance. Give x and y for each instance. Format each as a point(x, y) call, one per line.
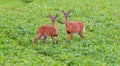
point(20, 20)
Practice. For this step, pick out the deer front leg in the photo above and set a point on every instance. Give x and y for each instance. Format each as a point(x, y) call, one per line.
point(44, 40)
point(69, 37)
point(53, 39)
point(57, 39)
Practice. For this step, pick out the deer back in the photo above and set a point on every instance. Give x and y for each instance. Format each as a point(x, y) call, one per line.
point(72, 27)
point(48, 30)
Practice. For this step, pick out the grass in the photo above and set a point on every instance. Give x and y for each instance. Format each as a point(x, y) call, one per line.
point(20, 20)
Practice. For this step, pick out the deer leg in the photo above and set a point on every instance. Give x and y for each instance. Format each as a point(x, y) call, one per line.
point(37, 38)
point(44, 40)
point(81, 34)
point(57, 39)
point(69, 37)
point(53, 39)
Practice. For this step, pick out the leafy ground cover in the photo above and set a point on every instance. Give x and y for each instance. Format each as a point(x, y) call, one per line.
point(20, 20)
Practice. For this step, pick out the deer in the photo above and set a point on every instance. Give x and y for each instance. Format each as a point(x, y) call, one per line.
point(48, 30)
point(73, 27)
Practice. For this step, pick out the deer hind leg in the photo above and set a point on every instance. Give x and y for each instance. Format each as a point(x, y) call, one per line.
point(81, 34)
point(44, 39)
point(37, 38)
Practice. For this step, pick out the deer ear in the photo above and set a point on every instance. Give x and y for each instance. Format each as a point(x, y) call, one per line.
point(69, 12)
point(63, 11)
point(56, 16)
point(50, 16)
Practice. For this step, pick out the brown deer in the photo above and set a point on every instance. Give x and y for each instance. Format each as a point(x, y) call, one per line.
point(48, 30)
point(73, 27)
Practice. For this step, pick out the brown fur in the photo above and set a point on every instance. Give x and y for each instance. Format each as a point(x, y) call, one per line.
point(73, 27)
point(46, 30)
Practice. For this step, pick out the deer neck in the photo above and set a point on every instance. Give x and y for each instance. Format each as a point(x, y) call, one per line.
point(54, 25)
point(66, 20)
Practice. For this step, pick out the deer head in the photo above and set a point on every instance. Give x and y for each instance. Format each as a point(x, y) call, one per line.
point(53, 18)
point(66, 14)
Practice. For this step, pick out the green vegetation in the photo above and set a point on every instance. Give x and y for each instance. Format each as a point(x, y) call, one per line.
point(20, 20)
